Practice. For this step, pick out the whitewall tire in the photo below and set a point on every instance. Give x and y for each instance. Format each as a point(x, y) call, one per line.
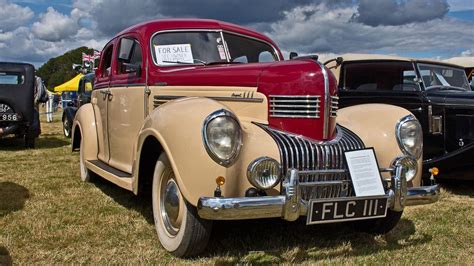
point(177, 223)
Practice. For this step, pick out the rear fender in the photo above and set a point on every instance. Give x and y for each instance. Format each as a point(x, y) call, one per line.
point(84, 128)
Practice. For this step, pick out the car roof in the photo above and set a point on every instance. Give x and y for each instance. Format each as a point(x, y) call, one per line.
point(374, 57)
point(150, 27)
point(465, 61)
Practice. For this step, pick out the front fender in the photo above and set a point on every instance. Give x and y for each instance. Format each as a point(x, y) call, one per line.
point(84, 128)
point(375, 124)
point(178, 125)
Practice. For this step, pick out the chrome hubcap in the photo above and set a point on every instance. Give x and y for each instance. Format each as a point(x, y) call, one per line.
point(169, 202)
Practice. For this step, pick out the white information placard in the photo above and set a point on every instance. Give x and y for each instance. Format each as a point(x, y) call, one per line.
point(174, 54)
point(364, 172)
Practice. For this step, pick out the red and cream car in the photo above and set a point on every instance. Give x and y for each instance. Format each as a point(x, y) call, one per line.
point(207, 116)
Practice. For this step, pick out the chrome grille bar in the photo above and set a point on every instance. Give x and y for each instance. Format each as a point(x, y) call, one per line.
point(334, 106)
point(295, 106)
point(322, 170)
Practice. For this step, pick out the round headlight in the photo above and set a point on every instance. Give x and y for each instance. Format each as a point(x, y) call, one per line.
point(409, 164)
point(410, 136)
point(264, 173)
point(222, 137)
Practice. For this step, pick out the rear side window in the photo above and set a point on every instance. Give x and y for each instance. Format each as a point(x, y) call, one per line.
point(8, 78)
point(379, 76)
point(106, 62)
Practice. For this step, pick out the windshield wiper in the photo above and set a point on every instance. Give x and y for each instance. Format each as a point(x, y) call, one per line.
point(184, 63)
point(444, 87)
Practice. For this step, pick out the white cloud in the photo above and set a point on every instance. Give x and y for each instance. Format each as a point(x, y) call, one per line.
point(13, 16)
point(54, 26)
point(330, 30)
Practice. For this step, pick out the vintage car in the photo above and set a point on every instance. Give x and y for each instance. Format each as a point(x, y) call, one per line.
point(207, 116)
point(437, 93)
point(84, 90)
point(17, 108)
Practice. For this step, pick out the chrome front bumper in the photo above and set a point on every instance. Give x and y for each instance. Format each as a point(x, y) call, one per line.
point(289, 205)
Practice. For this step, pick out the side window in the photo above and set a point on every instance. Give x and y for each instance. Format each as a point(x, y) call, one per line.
point(105, 68)
point(129, 57)
point(247, 50)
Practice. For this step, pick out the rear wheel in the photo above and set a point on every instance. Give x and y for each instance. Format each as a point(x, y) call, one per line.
point(379, 226)
point(66, 127)
point(180, 230)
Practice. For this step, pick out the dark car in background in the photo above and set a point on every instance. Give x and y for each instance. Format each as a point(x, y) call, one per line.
point(437, 93)
point(18, 115)
point(86, 84)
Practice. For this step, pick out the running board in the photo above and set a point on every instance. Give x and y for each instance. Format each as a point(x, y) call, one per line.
point(114, 175)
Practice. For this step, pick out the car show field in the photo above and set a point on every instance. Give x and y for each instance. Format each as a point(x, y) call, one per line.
point(48, 215)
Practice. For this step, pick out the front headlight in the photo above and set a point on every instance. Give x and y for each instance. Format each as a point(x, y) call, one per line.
point(410, 136)
point(222, 137)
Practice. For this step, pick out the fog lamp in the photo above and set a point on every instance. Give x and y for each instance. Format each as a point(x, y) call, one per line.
point(264, 173)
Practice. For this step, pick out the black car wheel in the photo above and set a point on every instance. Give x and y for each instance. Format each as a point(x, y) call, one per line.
point(66, 127)
point(29, 141)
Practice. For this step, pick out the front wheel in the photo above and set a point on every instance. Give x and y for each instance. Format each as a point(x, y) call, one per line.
point(66, 127)
point(180, 230)
point(379, 226)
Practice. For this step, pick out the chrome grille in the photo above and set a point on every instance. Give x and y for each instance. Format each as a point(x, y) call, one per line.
point(332, 178)
point(334, 106)
point(295, 106)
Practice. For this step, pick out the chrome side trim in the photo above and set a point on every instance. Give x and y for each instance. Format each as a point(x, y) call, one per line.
point(327, 101)
point(161, 99)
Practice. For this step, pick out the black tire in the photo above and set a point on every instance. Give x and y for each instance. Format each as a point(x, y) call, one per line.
point(29, 141)
point(379, 226)
point(66, 127)
point(180, 230)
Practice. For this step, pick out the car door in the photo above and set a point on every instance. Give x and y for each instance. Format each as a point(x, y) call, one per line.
point(126, 103)
point(100, 99)
point(389, 82)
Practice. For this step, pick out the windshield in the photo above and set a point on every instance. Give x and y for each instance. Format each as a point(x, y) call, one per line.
point(383, 76)
point(439, 76)
point(208, 47)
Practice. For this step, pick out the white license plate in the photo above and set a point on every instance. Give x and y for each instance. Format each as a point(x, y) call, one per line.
point(8, 117)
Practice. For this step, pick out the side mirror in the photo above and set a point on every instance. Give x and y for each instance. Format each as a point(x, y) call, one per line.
point(293, 55)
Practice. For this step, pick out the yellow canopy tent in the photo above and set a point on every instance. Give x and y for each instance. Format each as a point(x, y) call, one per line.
point(70, 85)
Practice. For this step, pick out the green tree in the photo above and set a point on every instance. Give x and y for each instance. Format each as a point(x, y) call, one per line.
point(59, 69)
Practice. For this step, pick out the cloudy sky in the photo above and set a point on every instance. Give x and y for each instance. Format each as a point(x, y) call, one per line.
point(36, 30)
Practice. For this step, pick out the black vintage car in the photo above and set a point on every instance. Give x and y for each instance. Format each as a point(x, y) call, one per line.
point(437, 93)
point(18, 115)
point(84, 90)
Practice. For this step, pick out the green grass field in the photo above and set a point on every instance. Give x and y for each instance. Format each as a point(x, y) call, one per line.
point(47, 215)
